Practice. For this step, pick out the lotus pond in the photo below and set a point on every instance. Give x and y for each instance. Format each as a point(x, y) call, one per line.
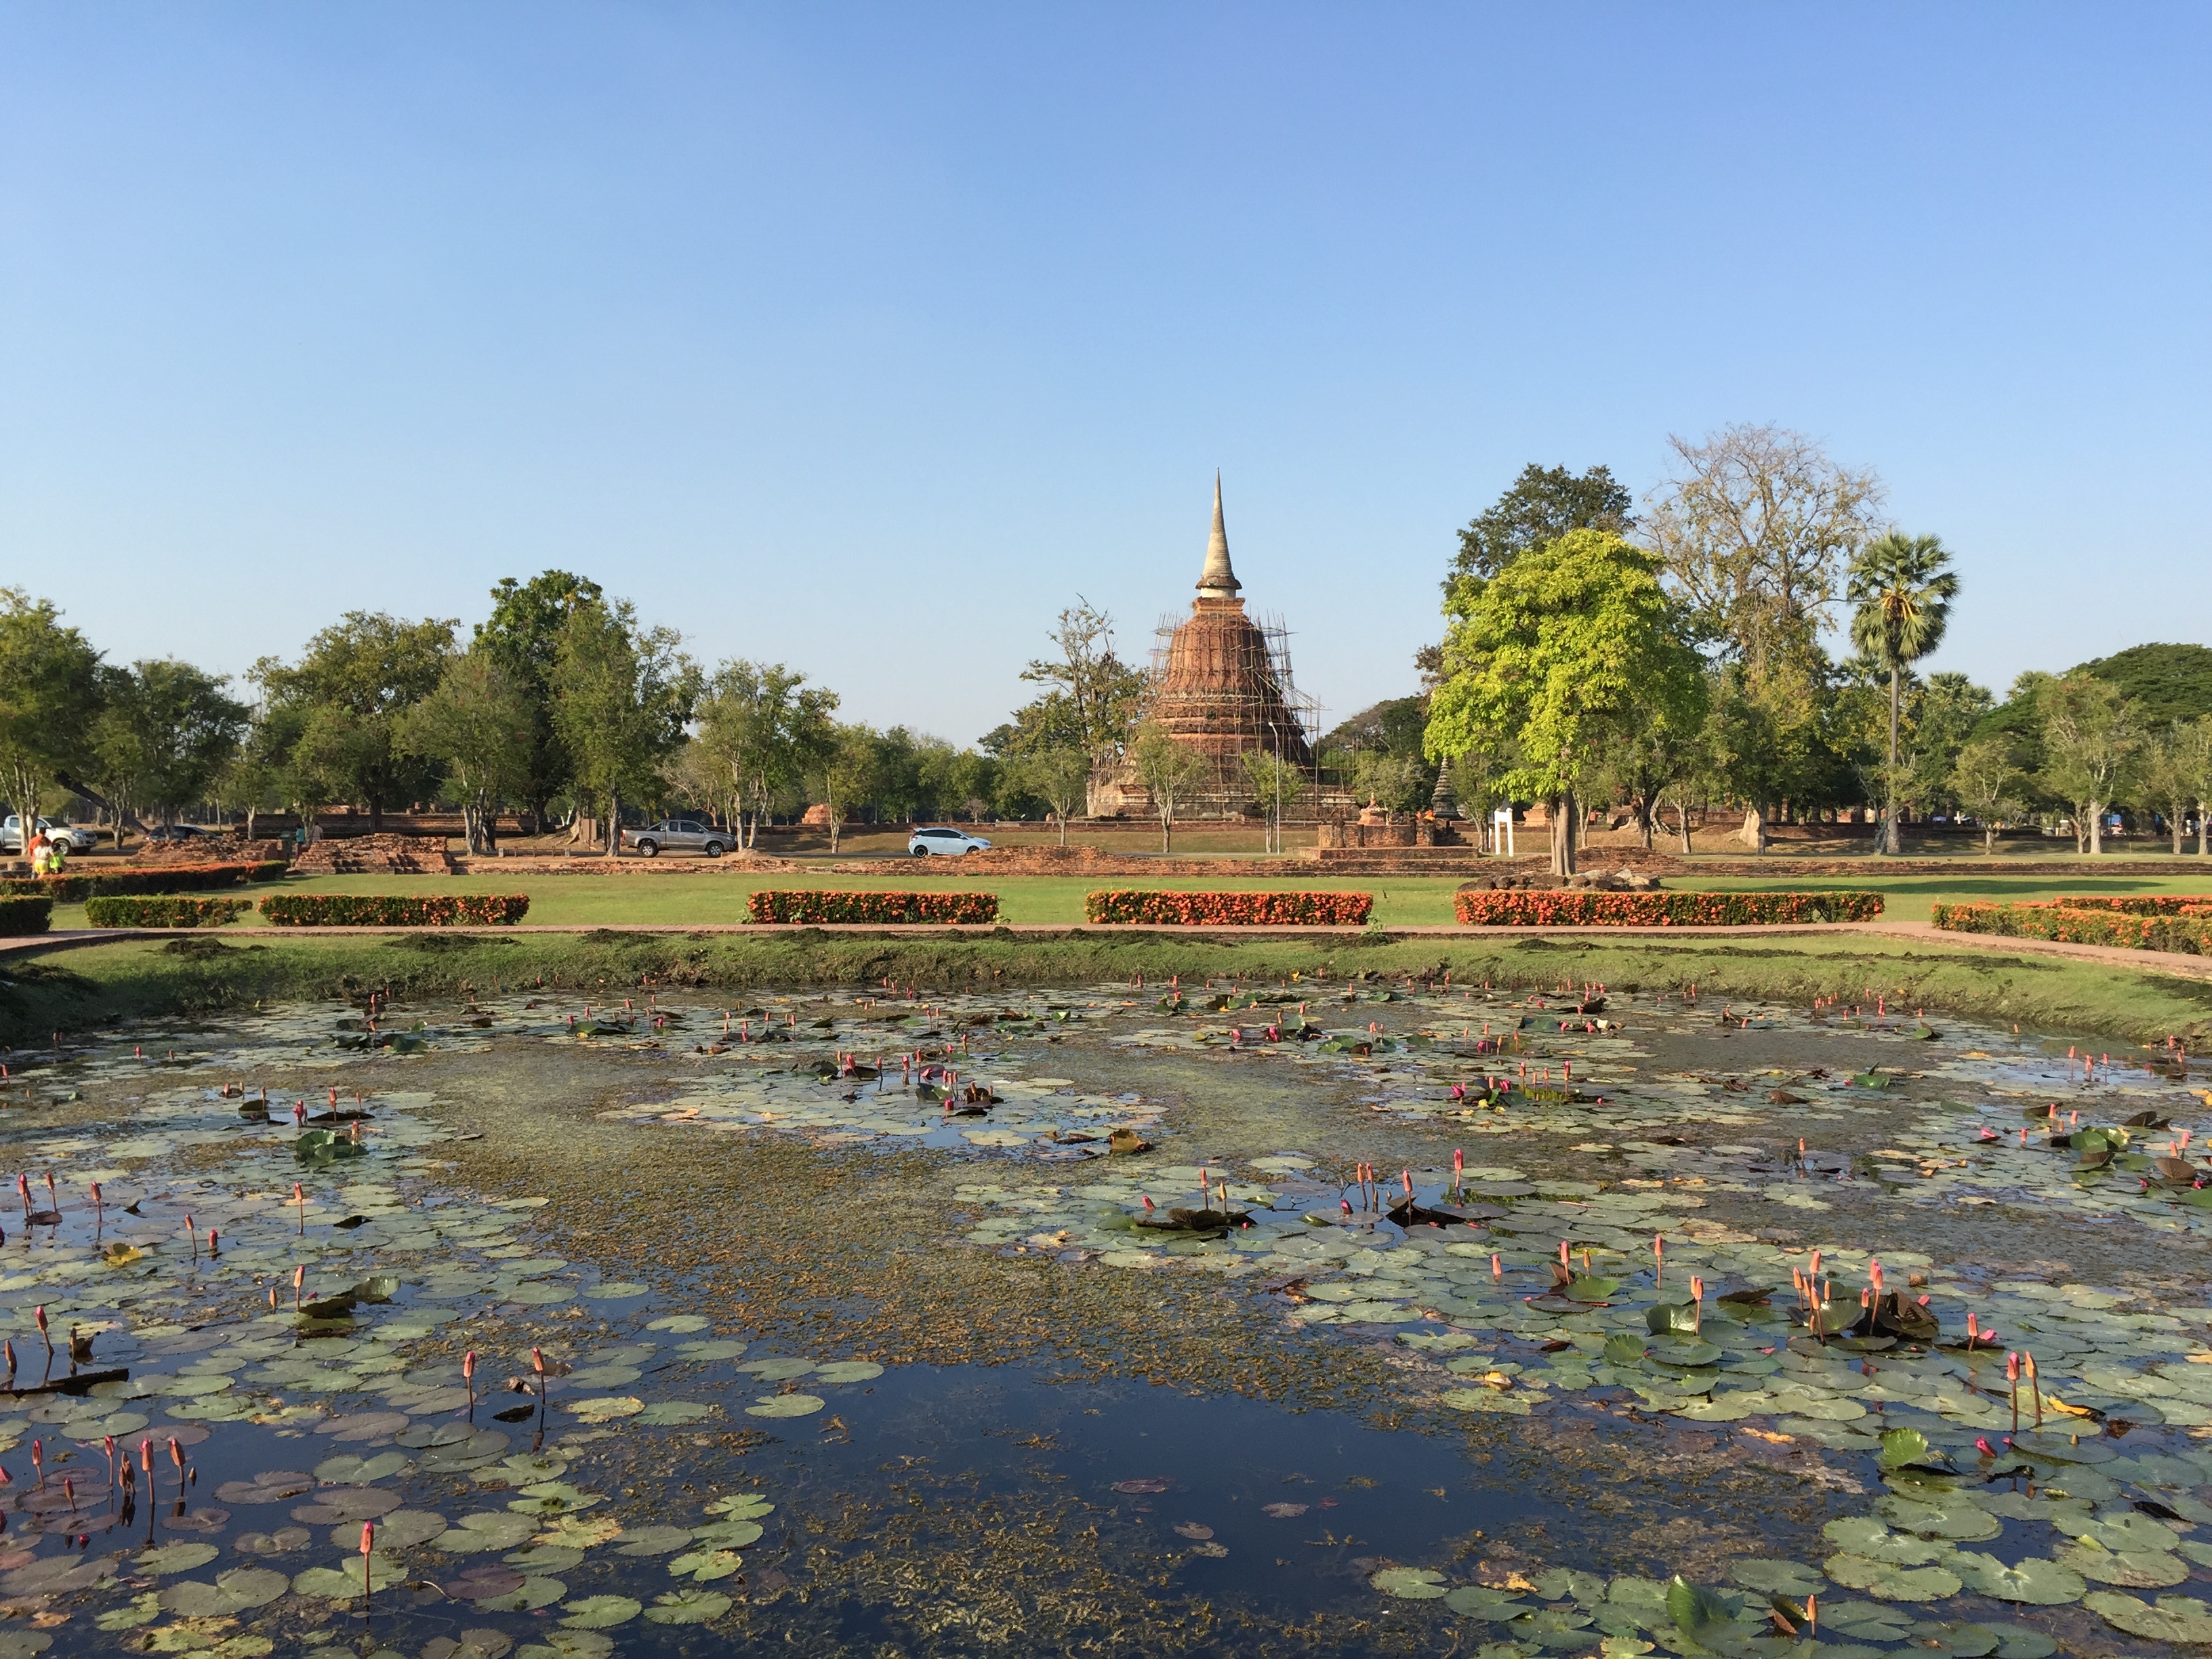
point(1379, 1317)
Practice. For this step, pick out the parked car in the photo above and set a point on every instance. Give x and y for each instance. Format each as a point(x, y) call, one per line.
point(938, 838)
point(174, 832)
point(78, 840)
point(678, 836)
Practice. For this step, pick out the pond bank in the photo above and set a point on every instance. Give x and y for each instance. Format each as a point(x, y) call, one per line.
point(72, 989)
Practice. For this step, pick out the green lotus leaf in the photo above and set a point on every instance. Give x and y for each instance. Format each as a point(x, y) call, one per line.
point(688, 1607)
point(1623, 1350)
point(562, 1644)
point(1409, 1583)
point(786, 1405)
point(2135, 1569)
point(1697, 1610)
point(705, 1565)
point(1891, 1582)
point(2034, 1582)
point(848, 1370)
point(1954, 1637)
point(1773, 1578)
point(601, 1611)
point(651, 1540)
point(1480, 1601)
point(741, 1506)
point(682, 1324)
point(139, 1610)
point(2174, 1619)
point(2018, 1642)
point(178, 1557)
point(606, 1407)
point(547, 1560)
point(534, 1594)
point(1865, 1537)
point(663, 1413)
point(1564, 1584)
point(728, 1534)
point(251, 1587)
point(1966, 1524)
point(1902, 1447)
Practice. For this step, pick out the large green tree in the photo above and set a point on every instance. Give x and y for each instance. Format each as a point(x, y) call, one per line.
point(49, 695)
point(1543, 504)
point(1565, 650)
point(2091, 738)
point(1169, 771)
point(354, 684)
point(1755, 526)
point(1091, 698)
point(164, 731)
point(1900, 590)
point(622, 696)
point(523, 635)
point(762, 723)
point(479, 724)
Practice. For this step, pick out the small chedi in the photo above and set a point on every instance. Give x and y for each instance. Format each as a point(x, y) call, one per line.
point(1219, 685)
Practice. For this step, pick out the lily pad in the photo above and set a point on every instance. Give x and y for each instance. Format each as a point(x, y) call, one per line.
point(607, 1407)
point(614, 1293)
point(175, 1558)
point(663, 1413)
point(848, 1370)
point(2034, 1582)
point(1409, 1583)
point(1480, 1601)
point(786, 1405)
point(601, 1611)
point(1890, 1581)
point(1773, 1577)
point(535, 1592)
point(2173, 1619)
point(688, 1607)
point(2135, 1569)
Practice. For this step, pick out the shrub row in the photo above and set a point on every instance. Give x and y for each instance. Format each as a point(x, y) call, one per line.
point(19, 916)
point(163, 910)
point(2143, 904)
point(1229, 910)
point(169, 878)
point(380, 910)
point(1585, 907)
point(2062, 922)
point(773, 904)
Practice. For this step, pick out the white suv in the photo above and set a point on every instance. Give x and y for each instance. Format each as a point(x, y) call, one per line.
point(80, 840)
point(938, 839)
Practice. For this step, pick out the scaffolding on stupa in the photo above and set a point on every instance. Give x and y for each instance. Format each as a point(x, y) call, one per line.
point(1220, 685)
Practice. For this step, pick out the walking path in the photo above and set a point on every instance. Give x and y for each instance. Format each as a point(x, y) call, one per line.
point(1917, 933)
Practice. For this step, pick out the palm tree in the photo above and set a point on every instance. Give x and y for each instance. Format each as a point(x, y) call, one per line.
point(1902, 587)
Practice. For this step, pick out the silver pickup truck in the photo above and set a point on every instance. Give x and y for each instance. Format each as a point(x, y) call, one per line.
point(678, 836)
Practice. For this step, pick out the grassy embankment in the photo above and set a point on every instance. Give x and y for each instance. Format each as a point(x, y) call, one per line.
point(77, 989)
point(1057, 900)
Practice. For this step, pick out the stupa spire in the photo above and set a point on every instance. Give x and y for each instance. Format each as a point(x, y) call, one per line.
point(1218, 581)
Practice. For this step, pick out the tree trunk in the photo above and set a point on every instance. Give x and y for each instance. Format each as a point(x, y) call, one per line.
point(1167, 829)
point(1893, 843)
point(1564, 812)
point(1988, 838)
point(614, 823)
point(2201, 828)
point(2173, 825)
point(1682, 806)
point(1754, 833)
point(249, 821)
point(1063, 826)
point(2096, 828)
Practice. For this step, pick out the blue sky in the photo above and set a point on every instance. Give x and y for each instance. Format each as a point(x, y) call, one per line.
point(865, 337)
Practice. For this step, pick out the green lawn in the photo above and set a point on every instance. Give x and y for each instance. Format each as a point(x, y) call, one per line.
point(1403, 901)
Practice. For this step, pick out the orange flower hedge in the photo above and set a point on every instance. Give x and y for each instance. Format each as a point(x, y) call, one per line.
point(167, 879)
point(1228, 909)
point(19, 916)
point(1576, 907)
point(801, 905)
point(163, 910)
point(380, 910)
point(2068, 922)
point(2143, 904)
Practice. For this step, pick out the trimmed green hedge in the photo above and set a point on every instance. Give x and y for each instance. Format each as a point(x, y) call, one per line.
point(800, 905)
point(163, 910)
point(173, 878)
point(1583, 907)
point(19, 916)
point(2062, 922)
point(1159, 908)
point(381, 910)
